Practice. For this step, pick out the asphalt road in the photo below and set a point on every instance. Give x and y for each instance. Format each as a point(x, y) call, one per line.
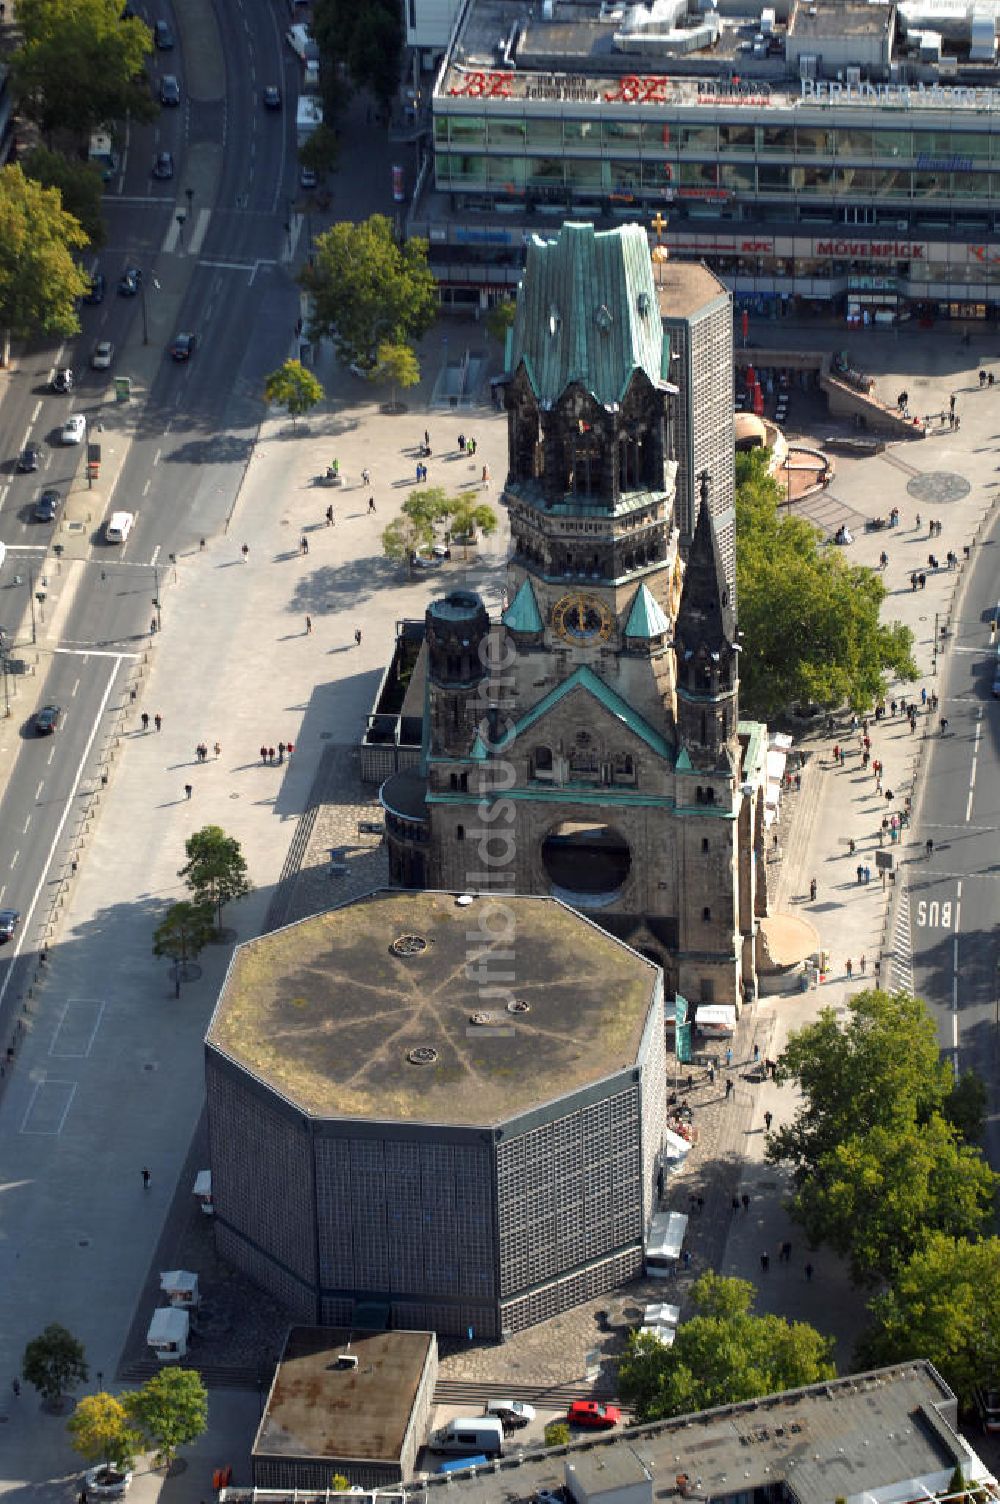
point(225, 275)
point(954, 897)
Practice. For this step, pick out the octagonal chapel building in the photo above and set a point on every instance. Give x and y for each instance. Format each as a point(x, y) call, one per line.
point(588, 745)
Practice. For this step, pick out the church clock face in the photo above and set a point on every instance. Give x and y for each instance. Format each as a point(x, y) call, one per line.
point(582, 619)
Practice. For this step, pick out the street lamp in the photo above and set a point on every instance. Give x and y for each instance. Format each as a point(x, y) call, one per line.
point(181, 217)
point(189, 195)
point(145, 310)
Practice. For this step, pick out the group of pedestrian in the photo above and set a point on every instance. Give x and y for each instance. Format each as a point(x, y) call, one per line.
point(466, 445)
point(201, 751)
point(157, 721)
point(934, 528)
point(985, 378)
point(421, 480)
point(268, 755)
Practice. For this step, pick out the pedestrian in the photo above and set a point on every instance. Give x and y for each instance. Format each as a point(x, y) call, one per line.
point(309, 625)
point(929, 846)
point(868, 874)
point(699, 1202)
point(461, 443)
point(147, 1176)
point(863, 963)
point(745, 1202)
point(486, 477)
point(245, 551)
point(263, 754)
point(329, 516)
point(913, 723)
point(756, 1053)
point(371, 501)
point(218, 749)
point(736, 1207)
point(729, 1087)
point(158, 721)
point(303, 544)
point(765, 1262)
point(836, 753)
point(366, 477)
point(951, 403)
point(729, 1055)
point(270, 754)
point(357, 637)
point(944, 725)
point(145, 720)
point(289, 748)
point(861, 873)
point(281, 753)
point(934, 701)
point(913, 582)
point(808, 1271)
point(768, 1120)
point(786, 1252)
point(892, 706)
point(427, 439)
point(711, 1074)
point(15, 1384)
point(850, 845)
point(923, 581)
point(188, 791)
point(812, 891)
point(850, 964)
point(989, 379)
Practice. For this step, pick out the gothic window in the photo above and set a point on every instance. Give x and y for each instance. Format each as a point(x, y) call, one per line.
point(453, 782)
point(624, 768)
point(709, 795)
point(584, 468)
point(463, 782)
point(706, 915)
point(459, 832)
point(543, 759)
point(704, 843)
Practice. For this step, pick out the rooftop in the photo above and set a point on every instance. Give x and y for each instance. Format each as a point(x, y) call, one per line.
point(851, 18)
point(316, 1409)
point(329, 1011)
point(683, 287)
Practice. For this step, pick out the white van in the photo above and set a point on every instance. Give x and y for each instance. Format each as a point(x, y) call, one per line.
point(301, 42)
point(467, 1435)
point(118, 526)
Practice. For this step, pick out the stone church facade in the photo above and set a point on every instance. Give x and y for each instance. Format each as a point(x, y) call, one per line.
point(588, 745)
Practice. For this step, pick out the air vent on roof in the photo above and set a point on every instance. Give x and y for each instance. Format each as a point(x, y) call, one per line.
point(424, 1054)
point(408, 945)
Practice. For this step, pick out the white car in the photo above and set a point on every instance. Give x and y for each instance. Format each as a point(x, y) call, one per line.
point(102, 356)
point(73, 429)
point(106, 1482)
point(512, 1414)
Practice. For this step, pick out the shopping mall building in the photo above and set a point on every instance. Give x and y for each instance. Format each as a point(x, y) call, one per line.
point(810, 153)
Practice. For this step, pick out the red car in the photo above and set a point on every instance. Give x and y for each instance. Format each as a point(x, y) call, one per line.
point(593, 1415)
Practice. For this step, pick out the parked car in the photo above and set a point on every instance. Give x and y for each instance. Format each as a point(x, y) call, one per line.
point(9, 920)
point(73, 430)
point(95, 294)
point(163, 37)
point(129, 282)
point(163, 165)
point(62, 381)
point(102, 355)
point(29, 459)
point(47, 506)
point(512, 1414)
point(106, 1481)
point(47, 719)
point(170, 89)
point(593, 1415)
point(182, 347)
point(271, 97)
point(307, 177)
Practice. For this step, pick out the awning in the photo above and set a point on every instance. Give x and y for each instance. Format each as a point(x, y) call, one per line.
point(169, 1325)
point(676, 1146)
point(715, 1015)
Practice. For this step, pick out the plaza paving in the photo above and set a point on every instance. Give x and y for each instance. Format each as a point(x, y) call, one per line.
point(234, 663)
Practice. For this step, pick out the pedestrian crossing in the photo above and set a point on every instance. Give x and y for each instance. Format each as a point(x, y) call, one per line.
point(900, 968)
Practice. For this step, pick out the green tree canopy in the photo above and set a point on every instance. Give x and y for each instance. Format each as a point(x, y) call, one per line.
point(216, 870)
point(293, 387)
point(397, 363)
point(501, 318)
point(878, 1195)
point(101, 1432)
point(80, 66)
point(321, 150)
point(171, 1410)
point(367, 289)
point(79, 185)
point(405, 537)
point(54, 1362)
point(809, 619)
point(882, 1070)
point(431, 504)
point(944, 1305)
point(469, 516)
point(721, 1355)
point(39, 279)
point(183, 933)
point(367, 37)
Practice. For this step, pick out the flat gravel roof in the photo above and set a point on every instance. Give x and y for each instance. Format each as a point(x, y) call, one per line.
point(329, 1011)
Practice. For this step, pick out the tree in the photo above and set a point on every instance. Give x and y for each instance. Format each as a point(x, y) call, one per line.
point(367, 37)
point(501, 318)
point(882, 1070)
point(405, 537)
point(431, 505)
point(182, 934)
point(101, 1431)
point(877, 1197)
point(321, 150)
point(396, 363)
point(469, 516)
point(557, 1434)
point(54, 1362)
point(216, 870)
point(293, 387)
point(965, 1106)
point(810, 620)
point(945, 1305)
point(171, 1410)
point(721, 1355)
point(80, 66)
point(39, 279)
point(367, 289)
point(339, 1484)
point(79, 185)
